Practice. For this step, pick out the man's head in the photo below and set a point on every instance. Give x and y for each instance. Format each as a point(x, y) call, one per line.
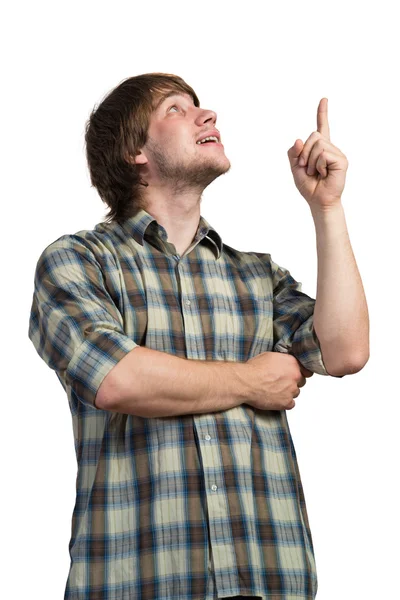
point(141, 135)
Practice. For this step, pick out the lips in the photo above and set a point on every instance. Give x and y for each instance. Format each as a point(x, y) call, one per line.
point(205, 134)
point(211, 144)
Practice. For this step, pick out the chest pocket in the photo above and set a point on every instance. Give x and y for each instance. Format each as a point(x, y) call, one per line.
point(240, 328)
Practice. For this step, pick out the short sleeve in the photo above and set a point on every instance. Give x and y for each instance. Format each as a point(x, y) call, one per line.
point(293, 321)
point(74, 324)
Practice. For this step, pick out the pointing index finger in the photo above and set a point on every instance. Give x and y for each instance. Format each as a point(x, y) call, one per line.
point(322, 118)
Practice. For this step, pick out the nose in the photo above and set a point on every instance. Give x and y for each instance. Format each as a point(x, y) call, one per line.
point(207, 115)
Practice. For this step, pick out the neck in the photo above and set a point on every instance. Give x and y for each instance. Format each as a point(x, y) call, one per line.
point(179, 214)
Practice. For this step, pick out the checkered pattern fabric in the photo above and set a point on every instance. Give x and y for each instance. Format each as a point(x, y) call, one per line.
point(190, 507)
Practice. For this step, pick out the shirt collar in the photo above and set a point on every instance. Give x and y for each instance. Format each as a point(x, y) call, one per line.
point(143, 223)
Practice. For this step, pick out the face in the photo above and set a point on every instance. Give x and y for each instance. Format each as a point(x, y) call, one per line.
point(172, 155)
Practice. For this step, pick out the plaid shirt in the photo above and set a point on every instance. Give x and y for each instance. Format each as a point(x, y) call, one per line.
point(192, 506)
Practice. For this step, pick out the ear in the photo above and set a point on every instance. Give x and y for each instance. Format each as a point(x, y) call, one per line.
point(138, 159)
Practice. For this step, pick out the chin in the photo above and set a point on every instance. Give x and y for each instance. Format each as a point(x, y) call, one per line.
point(209, 174)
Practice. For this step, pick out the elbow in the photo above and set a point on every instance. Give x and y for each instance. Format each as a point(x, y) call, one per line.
point(119, 387)
point(357, 363)
point(101, 398)
point(347, 367)
point(360, 363)
point(105, 396)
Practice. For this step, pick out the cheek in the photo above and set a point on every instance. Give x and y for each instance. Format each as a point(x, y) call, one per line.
point(181, 147)
point(179, 139)
point(174, 141)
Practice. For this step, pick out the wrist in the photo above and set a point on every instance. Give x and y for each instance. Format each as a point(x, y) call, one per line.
point(325, 213)
point(240, 381)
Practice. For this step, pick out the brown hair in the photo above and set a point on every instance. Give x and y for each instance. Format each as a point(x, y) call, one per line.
point(116, 129)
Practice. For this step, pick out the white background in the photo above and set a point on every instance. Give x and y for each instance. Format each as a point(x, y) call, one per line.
point(263, 68)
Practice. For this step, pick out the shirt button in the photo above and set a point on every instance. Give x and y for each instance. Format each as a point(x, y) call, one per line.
point(207, 437)
point(214, 488)
point(187, 302)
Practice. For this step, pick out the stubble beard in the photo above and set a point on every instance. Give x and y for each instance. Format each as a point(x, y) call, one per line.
point(180, 176)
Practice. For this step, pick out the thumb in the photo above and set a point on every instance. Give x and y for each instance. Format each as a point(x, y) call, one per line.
point(305, 372)
point(294, 152)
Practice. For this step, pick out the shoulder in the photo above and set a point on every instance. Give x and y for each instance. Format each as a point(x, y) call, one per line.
point(98, 246)
point(243, 259)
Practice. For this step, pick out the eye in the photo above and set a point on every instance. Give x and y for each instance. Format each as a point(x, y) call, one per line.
point(173, 106)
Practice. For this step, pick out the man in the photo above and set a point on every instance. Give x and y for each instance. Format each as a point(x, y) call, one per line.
point(180, 356)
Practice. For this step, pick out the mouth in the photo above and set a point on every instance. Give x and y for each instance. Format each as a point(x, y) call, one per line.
point(211, 138)
point(211, 144)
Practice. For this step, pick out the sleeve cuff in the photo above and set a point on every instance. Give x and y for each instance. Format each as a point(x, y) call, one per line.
point(307, 349)
point(93, 360)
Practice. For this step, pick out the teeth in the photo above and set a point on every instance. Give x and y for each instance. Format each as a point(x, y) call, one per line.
point(211, 137)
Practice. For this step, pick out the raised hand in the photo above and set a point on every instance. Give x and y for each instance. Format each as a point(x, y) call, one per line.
point(318, 167)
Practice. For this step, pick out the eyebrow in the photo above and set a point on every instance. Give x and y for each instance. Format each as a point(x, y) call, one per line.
point(168, 95)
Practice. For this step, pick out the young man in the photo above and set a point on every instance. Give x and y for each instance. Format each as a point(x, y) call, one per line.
point(180, 356)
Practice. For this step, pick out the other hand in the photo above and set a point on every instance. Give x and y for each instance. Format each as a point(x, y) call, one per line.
point(274, 380)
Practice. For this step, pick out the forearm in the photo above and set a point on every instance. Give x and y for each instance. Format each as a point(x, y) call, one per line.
point(341, 319)
point(149, 383)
